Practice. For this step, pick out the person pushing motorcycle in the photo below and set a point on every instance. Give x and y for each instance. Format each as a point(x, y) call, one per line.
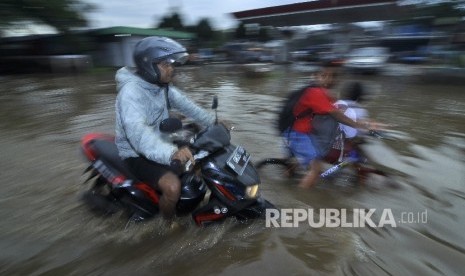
point(145, 96)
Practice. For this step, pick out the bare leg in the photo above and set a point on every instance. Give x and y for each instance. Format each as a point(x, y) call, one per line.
point(291, 167)
point(312, 176)
point(170, 187)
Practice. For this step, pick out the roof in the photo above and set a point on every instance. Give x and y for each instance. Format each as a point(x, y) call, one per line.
point(127, 31)
point(322, 12)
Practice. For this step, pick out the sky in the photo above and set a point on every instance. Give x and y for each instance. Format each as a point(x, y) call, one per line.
point(147, 13)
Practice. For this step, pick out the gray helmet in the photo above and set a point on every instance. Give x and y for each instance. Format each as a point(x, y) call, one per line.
point(153, 50)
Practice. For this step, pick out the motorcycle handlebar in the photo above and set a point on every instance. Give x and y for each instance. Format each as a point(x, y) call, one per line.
point(179, 168)
point(375, 133)
point(379, 134)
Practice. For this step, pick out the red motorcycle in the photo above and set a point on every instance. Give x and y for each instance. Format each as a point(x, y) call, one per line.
point(220, 167)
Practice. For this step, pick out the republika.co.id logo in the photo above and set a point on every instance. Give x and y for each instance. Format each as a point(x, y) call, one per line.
point(330, 217)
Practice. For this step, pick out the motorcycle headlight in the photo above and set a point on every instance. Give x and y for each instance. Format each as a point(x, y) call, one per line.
point(251, 191)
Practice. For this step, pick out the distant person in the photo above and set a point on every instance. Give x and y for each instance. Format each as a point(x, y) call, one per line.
point(145, 96)
point(350, 104)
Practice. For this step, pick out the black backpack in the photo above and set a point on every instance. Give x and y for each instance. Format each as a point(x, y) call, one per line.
point(324, 127)
point(286, 116)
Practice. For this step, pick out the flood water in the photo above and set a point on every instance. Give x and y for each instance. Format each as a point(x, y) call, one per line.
point(46, 229)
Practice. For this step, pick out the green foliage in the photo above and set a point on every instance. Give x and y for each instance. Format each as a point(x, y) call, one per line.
point(173, 21)
point(206, 36)
point(61, 14)
point(204, 30)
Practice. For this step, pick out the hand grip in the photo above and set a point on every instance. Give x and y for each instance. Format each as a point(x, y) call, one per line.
point(376, 134)
point(176, 166)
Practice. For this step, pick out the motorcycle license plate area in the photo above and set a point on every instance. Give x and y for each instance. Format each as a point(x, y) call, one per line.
point(238, 160)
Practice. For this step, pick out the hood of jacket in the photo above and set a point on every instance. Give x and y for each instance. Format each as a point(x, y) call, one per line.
point(126, 75)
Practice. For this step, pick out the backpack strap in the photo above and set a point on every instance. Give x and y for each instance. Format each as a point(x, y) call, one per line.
point(307, 112)
point(303, 114)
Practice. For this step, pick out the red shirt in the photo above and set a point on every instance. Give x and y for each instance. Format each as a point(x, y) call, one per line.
point(316, 99)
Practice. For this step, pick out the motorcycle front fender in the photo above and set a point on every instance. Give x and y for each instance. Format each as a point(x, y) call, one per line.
point(256, 210)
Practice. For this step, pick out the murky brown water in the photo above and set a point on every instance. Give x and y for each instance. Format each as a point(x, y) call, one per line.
point(46, 230)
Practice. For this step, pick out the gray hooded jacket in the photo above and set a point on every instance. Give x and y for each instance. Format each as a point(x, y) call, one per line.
point(140, 107)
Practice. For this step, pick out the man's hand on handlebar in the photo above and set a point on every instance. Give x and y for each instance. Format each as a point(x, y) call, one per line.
point(183, 155)
point(373, 125)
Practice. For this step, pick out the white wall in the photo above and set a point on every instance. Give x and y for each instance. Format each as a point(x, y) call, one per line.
point(118, 53)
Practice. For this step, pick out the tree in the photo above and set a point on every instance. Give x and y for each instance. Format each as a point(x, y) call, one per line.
point(60, 14)
point(173, 21)
point(204, 30)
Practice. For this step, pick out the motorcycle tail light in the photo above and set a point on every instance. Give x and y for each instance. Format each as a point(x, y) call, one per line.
point(251, 191)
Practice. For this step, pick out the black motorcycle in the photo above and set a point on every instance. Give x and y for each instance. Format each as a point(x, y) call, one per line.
point(221, 168)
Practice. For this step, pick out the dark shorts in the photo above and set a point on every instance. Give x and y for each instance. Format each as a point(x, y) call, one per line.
point(146, 170)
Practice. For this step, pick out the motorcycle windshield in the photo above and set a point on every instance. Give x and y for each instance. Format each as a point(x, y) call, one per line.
point(212, 138)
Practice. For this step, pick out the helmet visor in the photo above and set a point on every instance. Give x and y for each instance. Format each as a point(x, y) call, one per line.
point(177, 59)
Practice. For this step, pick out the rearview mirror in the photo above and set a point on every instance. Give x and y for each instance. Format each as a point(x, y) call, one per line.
point(215, 102)
point(170, 125)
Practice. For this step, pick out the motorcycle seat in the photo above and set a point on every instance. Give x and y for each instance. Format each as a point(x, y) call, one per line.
point(108, 153)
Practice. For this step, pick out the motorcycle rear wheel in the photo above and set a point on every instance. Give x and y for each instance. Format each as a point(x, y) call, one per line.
point(99, 199)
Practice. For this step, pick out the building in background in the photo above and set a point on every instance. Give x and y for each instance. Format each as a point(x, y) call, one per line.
point(77, 51)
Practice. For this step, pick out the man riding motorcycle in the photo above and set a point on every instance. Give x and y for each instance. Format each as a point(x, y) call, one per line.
point(144, 99)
